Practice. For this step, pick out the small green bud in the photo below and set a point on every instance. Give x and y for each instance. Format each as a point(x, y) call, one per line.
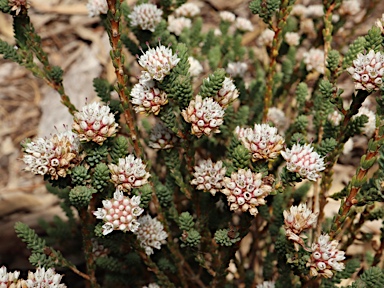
point(119, 148)
point(80, 175)
point(222, 237)
point(190, 238)
point(100, 177)
point(186, 221)
point(80, 196)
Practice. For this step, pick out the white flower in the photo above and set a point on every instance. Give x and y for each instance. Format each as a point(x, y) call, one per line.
point(97, 7)
point(120, 213)
point(380, 23)
point(314, 60)
point(147, 99)
point(158, 62)
point(129, 173)
point(95, 123)
point(227, 16)
point(303, 160)
point(367, 71)
point(243, 24)
point(314, 11)
point(227, 94)
point(209, 176)
point(266, 38)
point(299, 10)
point(195, 68)
point(350, 7)
point(43, 279)
point(161, 137)
point(348, 146)
point(150, 233)
point(8, 278)
point(262, 141)
point(237, 69)
point(189, 10)
point(146, 16)
point(245, 191)
point(369, 127)
point(299, 218)
point(266, 284)
point(16, 5)
point(206, 116)
point(325, 258)
point(335, 118)
point(177, 25)
point(53, 157)
point(292, 38)
point(278, 119)
point(152, 285)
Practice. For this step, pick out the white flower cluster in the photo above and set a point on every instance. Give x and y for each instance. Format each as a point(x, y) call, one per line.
point(146, 16)
point(120, 213)
point(152, 285)
point(296, 220)
point(189, 10)
point(262, 141)
point(129, 173)
point(303, 160)
point(368, 70)
point(209, 176)
point(206, 116)
point(177, 25)
point(53, 157)
point(240, 23)
point(158, 62)
point(314, 60)
point(278, 119)
point(369, 127)
point(146, 98)
point(195, 68)
point(97, 7)
point(335, 118)
point(237, 69)
point(95, 123)
point(266, 38)
point(161, 137)
point(245, 191)
point(227, 94)
point(227, 16)
point(325, 258)
point(40, 279)
point(266, 284)
point(150, 234)
point(292, 38)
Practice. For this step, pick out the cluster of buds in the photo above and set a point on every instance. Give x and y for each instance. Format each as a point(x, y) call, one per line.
point(262, 141)
point(314, 60)
point(129, 173)
point(227, 94)
point(146, 98)
point(120, 213)
point(209, 176)
point(161, 137)
point(97, 7)
point(146, 16)
point(53, 157)
point(150, 234)
point(368, 70)
point(95, 123)
point(246, 190)
point(303, 160)
point(325, 257)
point(296, 220)
point(206, 116)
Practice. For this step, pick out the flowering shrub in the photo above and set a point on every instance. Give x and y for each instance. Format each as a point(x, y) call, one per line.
point(228, 170)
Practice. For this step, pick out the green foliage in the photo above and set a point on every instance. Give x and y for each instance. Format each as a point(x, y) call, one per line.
point(333, 60)
point(100, 177)
point(56, 74)
point(287, 70)
point(186, 221)
point(355, 125)
point(80, 175)
point(214, 56)
point(373, 40)
point(222, 238)
point(9, 52)
point(164, 194)
point(191, 238)
point(4, 6)
point(109, 263)
point(327, 146)
point(301, 95)
point(355, 48)
point(350, 268)
point(371, 278)
point(95, 154)
point(145, 193)
point(301, 123)
point(240, 157)
point(212, 84)
point(299, 193)
point(265, 9)
point(326, 88)
point(119, 148)
point(80, 196)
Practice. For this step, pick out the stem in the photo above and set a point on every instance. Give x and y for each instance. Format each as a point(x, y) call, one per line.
point(327, 31)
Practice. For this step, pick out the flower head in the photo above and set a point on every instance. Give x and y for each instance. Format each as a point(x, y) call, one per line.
point(97, 7)
point(189, 10)
point(367, 71)
point(303, 160)
point(297, 219)
point(245, 191)
point(314, 59)
point(43, 279)
point(206, 116)
point(146, 98)
point(335, 118)
point(18, 4)
point(266, 38)
point(243, 24)
point(277, 117)
point(8, 278)
point(177, 25)
point(209, 176)
point(120, 213)
point(158, 62)
point(266, 284)
point(325, 258)
point(195, 68)
point(262, 141)
point(53, 157)
point(227, 94)
point(129, 173)
point(227, 16)
point(95, 123)
point(292, 38)
point(146, 16)
point(237, 69)
point(152, 285)
point(150, 234)
point(161, 137)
